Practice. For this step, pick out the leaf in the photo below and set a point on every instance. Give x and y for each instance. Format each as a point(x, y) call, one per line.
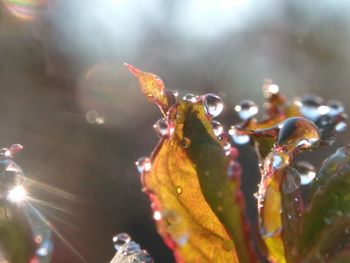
point(200, 211)
point(326, 223)
point(153, 88)
point(279, 199)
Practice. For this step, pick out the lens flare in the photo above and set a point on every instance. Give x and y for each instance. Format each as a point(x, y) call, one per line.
point(17, 194)
point(24, 9)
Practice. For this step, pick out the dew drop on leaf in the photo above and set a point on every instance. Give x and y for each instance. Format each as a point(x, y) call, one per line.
point(179, 189)
point(341, 126)
point(213, 105)
point(157, 215)
point(5, 153)
point(227, 146)
point(270, 89)
point(246, 109)
point(143, 164)
point(232, 153)
point(190, 97)
point(335, 108)
point(217, 128)
point(292, 181)
point(185, 143)
point(310, 107)
point(161, 127)
point(120, 240)
point(234, 170)
point(306, 172)
point(129, 248)
point(298, 133)
point(237, 137)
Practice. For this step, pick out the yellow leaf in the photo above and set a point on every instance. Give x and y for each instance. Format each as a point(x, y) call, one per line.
point(199, 211)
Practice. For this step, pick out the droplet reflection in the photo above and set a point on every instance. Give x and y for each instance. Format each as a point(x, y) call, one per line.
point(213, 105)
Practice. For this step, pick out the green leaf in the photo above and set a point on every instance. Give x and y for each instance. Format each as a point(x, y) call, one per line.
point(326, 223)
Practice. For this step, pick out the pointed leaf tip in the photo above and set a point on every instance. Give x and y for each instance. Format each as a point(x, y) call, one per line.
point(135, 71)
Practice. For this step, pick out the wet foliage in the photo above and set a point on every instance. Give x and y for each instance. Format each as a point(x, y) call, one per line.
point(193, 179)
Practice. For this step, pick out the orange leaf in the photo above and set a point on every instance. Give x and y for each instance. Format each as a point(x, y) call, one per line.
point(199, 210)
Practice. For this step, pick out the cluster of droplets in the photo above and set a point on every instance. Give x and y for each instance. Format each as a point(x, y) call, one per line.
point(164, 128)
point(295, 135)
point(128, 251)
point(329, 117)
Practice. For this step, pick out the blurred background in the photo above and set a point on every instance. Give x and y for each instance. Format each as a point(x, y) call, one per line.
point(67, 98)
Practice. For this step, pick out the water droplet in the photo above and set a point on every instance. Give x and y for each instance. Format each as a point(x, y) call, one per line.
point(161, 127)
point(142, 257)
point(306, 172)
point(93, 117)
point(256, 195)
point(234, 170)
point(190, 97)
point(340, 126)
point(5, 153)
point(310, 107)
point(246, 109)
point(213, 104)
point(292, 181)
point(277, 161)
point(270, 89)
point(179, 189)
point(143, 164)
point(232, 153)
point(157, 215)
point(227, 146)
point(129, 248)
point(298, 133)
point(335, 108)
point(237, 137)
point(120, 240)
point(217, 128)
point(185, 143)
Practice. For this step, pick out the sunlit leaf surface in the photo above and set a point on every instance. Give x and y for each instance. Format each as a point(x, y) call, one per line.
point(195, 195)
